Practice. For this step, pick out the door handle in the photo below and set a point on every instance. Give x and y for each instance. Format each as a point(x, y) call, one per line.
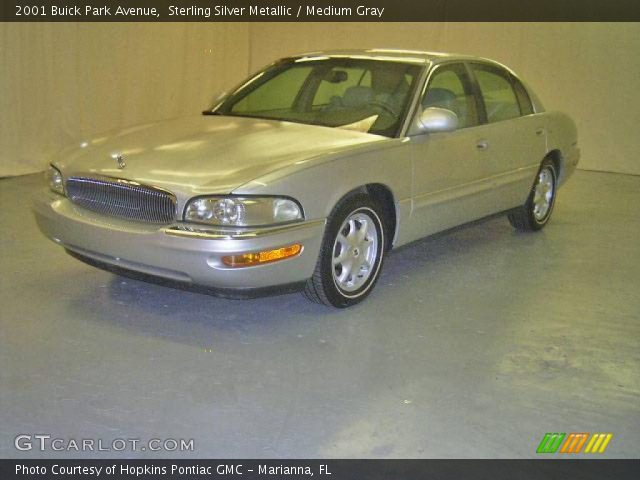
point(539, 131)
point(482, 144)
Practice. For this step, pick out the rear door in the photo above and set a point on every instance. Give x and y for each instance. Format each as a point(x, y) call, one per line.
point(512, 141)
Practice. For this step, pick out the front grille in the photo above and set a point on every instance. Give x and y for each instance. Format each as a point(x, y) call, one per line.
point(122, 198)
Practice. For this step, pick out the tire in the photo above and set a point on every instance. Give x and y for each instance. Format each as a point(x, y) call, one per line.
point(351, 255)
point(536, 211)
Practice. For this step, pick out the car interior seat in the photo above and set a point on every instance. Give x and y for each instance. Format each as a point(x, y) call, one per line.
point(358, 96)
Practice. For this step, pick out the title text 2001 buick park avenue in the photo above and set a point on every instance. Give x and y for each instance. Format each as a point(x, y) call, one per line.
point(309, 171)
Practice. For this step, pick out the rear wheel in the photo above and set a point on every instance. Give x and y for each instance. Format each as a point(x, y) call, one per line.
point(351, 254)
point(536, 212)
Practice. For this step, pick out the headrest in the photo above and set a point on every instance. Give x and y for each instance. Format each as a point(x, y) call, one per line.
point(439, 97)
point(357, 96)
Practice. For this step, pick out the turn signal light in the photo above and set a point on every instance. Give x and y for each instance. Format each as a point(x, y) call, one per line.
point(268, 256)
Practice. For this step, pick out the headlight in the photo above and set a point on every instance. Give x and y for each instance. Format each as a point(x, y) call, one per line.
point(55, 180)
point(242, 211)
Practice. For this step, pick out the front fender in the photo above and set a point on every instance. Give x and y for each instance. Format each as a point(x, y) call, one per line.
point(320, 184)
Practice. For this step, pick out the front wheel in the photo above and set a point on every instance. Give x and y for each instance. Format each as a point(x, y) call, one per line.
point(351, 254)
point(536, 212)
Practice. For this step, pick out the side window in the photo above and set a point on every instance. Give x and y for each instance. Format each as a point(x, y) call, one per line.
point(337, 81)
point(523, 98)
point(450, 88)
point(499, 97)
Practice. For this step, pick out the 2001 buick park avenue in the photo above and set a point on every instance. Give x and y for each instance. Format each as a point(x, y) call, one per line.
point(309, 171)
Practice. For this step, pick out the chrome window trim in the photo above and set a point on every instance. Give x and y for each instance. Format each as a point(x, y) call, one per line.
point(434, 66)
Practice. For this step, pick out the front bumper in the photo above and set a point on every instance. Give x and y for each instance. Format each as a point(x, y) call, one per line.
point(178, 254)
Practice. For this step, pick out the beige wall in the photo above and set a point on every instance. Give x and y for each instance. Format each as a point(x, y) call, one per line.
point(589, 70)
point(62, 82)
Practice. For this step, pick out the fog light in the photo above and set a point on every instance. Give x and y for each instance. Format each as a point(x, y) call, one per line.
point(268, 256)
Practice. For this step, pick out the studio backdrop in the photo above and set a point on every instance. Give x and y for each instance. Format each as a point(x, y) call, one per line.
point(62, 83)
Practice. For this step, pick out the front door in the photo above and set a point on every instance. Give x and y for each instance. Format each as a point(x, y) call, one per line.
point(449, 174)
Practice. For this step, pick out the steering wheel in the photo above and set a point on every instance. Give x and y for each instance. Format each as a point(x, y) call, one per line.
point(383, 106)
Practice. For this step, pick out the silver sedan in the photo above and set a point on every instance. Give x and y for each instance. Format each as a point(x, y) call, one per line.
point(308, 172)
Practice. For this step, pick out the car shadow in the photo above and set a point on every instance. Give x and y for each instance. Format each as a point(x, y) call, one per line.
point(197, 318)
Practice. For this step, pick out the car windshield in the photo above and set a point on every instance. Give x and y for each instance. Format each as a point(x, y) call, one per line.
point(357, 94)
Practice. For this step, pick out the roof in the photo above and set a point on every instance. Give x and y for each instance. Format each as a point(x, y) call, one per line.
point(413, 56)
point(399, 55)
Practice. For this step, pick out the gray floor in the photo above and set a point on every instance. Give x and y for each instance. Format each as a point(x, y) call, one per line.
point(474, 344)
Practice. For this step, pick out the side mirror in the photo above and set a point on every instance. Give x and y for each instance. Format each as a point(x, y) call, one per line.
point(434, 120)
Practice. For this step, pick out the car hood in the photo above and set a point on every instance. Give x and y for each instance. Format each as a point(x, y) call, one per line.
point(206, 153)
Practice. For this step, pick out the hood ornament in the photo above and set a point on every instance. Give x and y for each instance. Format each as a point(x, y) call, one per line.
point(119, 160)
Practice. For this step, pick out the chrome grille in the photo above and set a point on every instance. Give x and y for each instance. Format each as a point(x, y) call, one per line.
point(122, 198)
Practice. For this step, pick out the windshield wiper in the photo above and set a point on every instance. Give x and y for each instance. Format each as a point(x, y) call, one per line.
point(211, 112)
